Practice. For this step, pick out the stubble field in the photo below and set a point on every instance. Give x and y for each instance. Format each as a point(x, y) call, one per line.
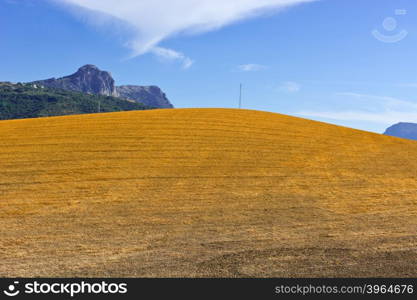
point(204, 193)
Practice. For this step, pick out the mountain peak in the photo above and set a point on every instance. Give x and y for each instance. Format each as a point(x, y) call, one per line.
point(90, 79)
point(89, 67)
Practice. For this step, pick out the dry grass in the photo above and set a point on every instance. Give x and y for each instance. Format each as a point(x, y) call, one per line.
point(204, 192)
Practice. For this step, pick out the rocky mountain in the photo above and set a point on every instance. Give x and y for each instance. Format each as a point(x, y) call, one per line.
point(148, 95)
point(403, 130)
point(90, 79)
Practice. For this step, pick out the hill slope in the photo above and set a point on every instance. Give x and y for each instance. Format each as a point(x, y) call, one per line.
point(20, 101)
point(204, 192)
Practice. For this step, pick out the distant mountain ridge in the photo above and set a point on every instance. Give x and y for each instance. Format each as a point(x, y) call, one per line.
point(90, 79)
point(403, 130)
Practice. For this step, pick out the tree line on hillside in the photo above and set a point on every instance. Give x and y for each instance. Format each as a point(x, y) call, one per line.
point(19, 101)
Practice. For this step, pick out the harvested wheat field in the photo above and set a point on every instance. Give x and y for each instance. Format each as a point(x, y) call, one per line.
point(204, 193)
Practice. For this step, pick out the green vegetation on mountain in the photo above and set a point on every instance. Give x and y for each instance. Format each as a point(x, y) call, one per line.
point(20, 101)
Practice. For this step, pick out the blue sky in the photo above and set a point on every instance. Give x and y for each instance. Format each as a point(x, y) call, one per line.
point(351, 63)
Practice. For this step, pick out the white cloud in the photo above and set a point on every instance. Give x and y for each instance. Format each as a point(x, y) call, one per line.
point(384, 106)
point(251, 67)
point(381, 102)
point(169, 54)
point(156, 20)
point(385, 117)
point(290, 87)
point(374, 108)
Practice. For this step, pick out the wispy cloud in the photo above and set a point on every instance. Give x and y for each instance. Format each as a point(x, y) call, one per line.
point(376, 101)
point(408, 85)
point(380, 102)
point(290, 87)
point(252, 67)
point(386, 117)
point(153, 21)
point(172, 55)
point(374, 108)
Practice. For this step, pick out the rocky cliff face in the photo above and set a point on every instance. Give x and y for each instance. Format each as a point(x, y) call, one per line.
point(90, 79)
point(403, 130)
point(148, 95)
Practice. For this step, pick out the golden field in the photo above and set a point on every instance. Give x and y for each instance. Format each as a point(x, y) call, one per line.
point(204, 193)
